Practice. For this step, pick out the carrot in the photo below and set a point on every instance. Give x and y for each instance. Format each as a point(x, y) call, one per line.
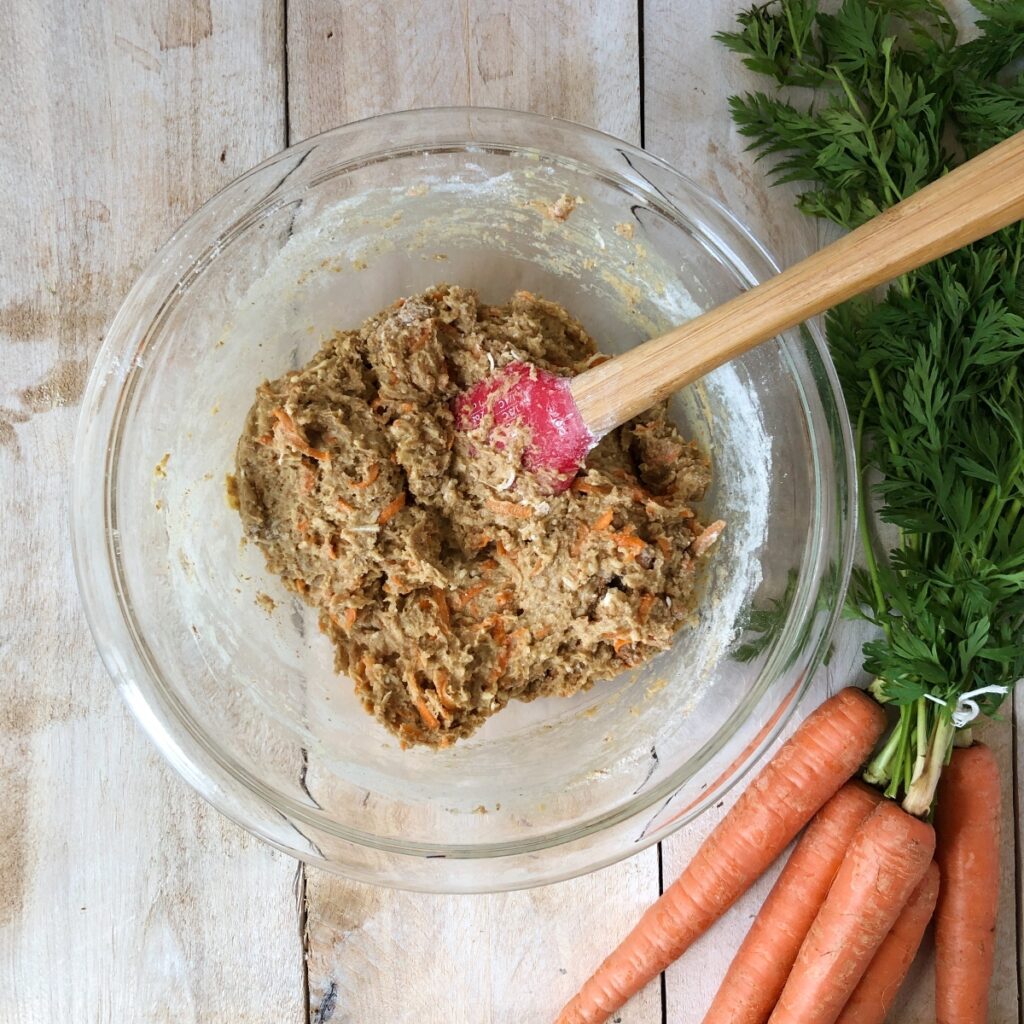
point(643, 610)
point(582, 486)
point(441, 686)
point(603, 521)
point(509, 508)
point(821, 755)
point(290, 432)
point(967, 821)
point(665, 545)
point(371, 476)
point(442, 606)
point(762, 964)
point(889, 855)
point(429, 718)
point(466, 596)
point(629, 541)
point(391, 510)
point(343, 504)
point(874, 995)
point(707, 538)
point(350, 617)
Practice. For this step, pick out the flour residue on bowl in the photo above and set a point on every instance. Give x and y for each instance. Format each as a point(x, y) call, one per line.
point(593, 262)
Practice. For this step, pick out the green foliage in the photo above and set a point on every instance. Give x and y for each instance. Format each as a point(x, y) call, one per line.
point(933, 372)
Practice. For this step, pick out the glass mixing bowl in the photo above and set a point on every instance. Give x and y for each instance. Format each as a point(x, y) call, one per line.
point(226, 670)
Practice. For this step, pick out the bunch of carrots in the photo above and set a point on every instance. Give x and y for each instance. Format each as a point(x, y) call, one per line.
point(838, 932)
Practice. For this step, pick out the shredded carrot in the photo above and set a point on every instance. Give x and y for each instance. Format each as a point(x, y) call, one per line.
point(619, 642)
point(519, 634)
point(391, 510)
point(393, 458)
point(501, 599)
point(442, 607)
point(343, 504)
point(302, 525)
point(372, 475)
point(665, 545)
point(265, 439)
point(603, 521)
point(428, 716)
point(468, 594)
point(350, 617)
point(498, 630)
point(483, 540)
point(583, 486)
point(509, 508)
point(629, 541)
point(644, 608)
point(501, 549)
point(488, 565)
point(308, 481)
point(290, 432)
point(539, 632)
point(441, 686)
point(300, 585)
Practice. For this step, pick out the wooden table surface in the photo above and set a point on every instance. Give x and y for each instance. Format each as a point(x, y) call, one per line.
point(124, 897)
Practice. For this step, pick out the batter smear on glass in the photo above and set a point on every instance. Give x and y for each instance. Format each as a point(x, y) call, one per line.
point(447, 576)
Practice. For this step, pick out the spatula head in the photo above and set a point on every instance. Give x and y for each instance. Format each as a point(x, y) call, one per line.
point(540, 404)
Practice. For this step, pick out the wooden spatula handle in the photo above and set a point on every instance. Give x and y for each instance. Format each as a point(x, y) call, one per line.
point(979, 197)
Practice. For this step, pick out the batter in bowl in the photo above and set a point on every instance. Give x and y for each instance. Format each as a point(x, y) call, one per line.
point(447, 577)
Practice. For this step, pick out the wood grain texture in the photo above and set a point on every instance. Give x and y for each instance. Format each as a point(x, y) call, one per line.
point(569, 58)
point(123, 896)
point(376, 955)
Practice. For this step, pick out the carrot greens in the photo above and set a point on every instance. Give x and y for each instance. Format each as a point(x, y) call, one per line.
point(933, 369)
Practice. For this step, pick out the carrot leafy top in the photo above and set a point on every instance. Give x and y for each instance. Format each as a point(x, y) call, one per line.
point(933, 371)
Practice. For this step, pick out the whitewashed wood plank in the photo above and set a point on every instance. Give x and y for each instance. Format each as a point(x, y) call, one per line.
point(376, 955)
point(576, 59)
point(123, 897)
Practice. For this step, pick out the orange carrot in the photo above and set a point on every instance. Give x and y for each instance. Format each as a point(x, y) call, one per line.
point(821, 755)
point(629, 541)
point(874, 996)
point(350, 617)
point(665, 545)
point(371, 475)
point(290, 432)
point(583, 486)
point(441, 686)
point(758, 974)
point(429, 718)
point(707, 538)
point(391, 510)
point(889, 855)
point(442, 606)
point(509, 508)
point(603, 521)
point(643, 610)
point(464, 597)
point(967, 821)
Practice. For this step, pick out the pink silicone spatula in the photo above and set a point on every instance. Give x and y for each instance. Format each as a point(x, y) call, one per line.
point(564, 418)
